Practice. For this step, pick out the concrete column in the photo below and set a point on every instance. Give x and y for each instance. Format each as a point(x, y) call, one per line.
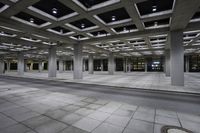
point(8, 65)
point(111, 64)
point(61, 66)
point(71, 66)
point(101, 64)
point(20, 64)
point(91, 64)
point(25, 65)
point(78, 61)
point(129, 65)
point(177, 58)
point(187, 64)
point(64, 65)
point(167, 63)
point(145, 65)
point(125, 64)
point(52, 62)
point(83, 65)
point(2, 68)
point(31, 66)
point(40, 66)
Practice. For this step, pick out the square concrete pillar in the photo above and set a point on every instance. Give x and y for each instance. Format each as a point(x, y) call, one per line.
point(71, 66)
point(8, 65)
point(101, 64)
point(83, 65)
point(61, 66)
point(187, 64)
point(145, 64)
point(177, 58)
point(20, 64)
point(78, 61)
point(91, 64)
point(111, 64)
point(25, 65)
point(2, 68)
point(125, 64)
point(167, 63)
point(52, 62)
point(41, 66)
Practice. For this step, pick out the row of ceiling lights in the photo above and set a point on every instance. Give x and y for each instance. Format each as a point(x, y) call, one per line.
point(113, 18)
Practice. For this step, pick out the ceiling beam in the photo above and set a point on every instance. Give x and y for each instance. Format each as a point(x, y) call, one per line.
point(145, 33)
point(183, 12)
point(18, 7)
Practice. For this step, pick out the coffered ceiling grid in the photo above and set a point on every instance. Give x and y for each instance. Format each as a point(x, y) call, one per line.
point(44, 32)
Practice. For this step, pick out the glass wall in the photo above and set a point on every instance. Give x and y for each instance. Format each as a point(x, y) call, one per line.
point(35, 66)
point(194, 63)
point(137, 64)
point(105, 64)
point(69, 64)
point(119, 64)
point(155, 64)
point(97, 65)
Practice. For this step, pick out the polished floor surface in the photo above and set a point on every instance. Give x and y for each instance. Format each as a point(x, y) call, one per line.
point(142, 80)
point(27, 107)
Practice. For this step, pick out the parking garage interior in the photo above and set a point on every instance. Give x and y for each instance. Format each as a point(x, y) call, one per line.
point(99, 66)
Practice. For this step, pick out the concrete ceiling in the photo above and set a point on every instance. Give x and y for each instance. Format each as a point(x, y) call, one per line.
point(125, 27)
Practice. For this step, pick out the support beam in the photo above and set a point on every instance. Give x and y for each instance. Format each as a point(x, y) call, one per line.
point(129, 66)
point(2, 68)
point(102, 65)
point(20, 64)
point(41, 66)
point(167, 63)
point(177, 58)
point(187, 64)
point(145, 64)
point(78, 61)
point(71, 65)
point(52, 63)
point(111, 62)
point(8, 65)
point(61, 66)
point(31, 66)
point(125, 64)
point(91, 64)
point(83, 65)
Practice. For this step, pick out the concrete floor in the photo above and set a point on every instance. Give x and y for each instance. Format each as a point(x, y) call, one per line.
point(29, 107)
point(149, 80)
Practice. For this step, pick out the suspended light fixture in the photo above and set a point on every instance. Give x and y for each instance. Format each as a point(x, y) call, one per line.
point(113, 18)
point(155, 23)
point(154, 8)
point(31, 20)
point(54, 11)
point(61, 31)
point(82, 25)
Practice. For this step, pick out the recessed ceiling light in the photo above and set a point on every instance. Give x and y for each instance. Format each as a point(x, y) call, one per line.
point(61, 31)
point(154, 8)
point(113, 18)
point(54, 11)
point(155, 23)
point(82, 25)
point(31, 20)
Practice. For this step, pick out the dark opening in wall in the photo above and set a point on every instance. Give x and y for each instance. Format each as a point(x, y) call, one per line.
point(35, 66)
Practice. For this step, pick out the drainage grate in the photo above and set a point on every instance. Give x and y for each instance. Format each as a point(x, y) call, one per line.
point(174, 129)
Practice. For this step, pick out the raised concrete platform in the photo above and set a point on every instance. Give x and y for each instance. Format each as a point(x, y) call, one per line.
point(140, 80)
point(26, 109)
